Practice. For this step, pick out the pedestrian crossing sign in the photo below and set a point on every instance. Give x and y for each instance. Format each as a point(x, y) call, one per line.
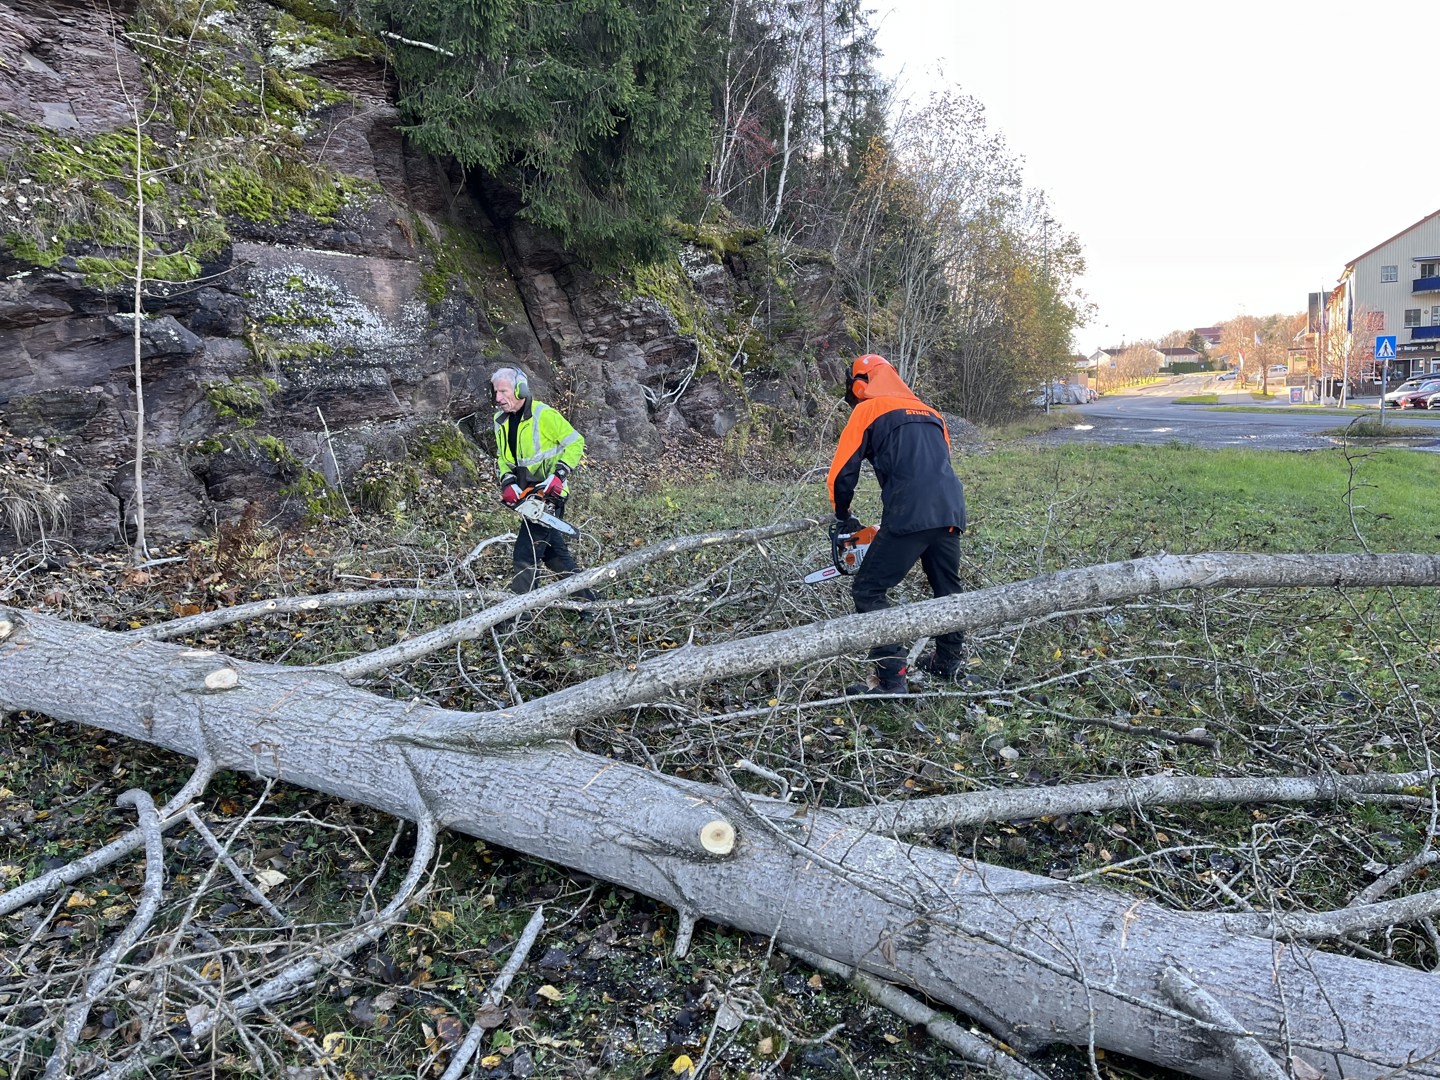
point(1385, 347)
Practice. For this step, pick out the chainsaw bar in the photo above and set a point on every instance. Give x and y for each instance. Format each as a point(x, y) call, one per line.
point(532, 509)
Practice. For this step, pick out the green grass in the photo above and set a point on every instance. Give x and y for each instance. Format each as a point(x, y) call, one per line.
point(1373, 427)
point(1080, 504)
point(1097, 501)
point(1198, 399)
point(1309, 406)
point(1035, 422)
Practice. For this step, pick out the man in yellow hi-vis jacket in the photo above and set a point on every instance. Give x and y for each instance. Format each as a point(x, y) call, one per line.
point(534, 446)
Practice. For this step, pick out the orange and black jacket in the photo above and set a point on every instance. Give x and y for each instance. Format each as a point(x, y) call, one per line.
point(907, 444)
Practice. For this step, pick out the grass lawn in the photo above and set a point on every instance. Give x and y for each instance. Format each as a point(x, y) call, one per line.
point(1310, 407)
point(1094, 501)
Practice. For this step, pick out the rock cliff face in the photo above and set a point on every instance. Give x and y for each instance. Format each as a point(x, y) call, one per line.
point(309, 345)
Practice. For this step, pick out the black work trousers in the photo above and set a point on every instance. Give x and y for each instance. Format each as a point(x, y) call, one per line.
point(889, 559)
point(536, 544)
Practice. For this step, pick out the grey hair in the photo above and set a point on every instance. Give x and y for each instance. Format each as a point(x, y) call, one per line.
point(506, 374)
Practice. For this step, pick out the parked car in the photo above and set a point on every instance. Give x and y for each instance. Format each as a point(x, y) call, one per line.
point(1406, 387)
point(1279, 371)
point(1433, 401)
point(1418, 398)
point(1225, 376)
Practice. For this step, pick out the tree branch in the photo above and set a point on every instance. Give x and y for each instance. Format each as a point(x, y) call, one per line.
point(145, 911)
point(475, 625)
point(1320, 926)
point(416, 44)
point(559, 713)
point(493, 995)
point(286, 605)
point(256, 896)
point(973, 1048)
point(118, 848)
point(299, 974)
point(1249, 1056)
point(977, 807)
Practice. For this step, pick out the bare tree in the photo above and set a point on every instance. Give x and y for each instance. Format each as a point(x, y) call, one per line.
point(920, 241)
point(1240, 340)
point(1272, 338)
point(1131, 364)
point(743, 152)
point(1348, 354)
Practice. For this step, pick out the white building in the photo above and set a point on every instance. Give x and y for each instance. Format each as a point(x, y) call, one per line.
point(1394, 288)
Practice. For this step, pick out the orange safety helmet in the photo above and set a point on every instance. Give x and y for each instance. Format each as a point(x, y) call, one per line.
point(860, 373)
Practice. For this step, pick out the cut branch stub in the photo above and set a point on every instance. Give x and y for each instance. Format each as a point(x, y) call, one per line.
point(689, 829)
point(718, 837)
point(225, 678)
point(6, 628)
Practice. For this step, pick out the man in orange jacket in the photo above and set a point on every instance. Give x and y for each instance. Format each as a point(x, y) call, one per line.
point(922, 509)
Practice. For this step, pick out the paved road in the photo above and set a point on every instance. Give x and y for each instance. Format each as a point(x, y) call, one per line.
point(1149, 415)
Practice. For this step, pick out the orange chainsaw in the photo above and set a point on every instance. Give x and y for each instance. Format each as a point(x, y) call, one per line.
point(847, 552)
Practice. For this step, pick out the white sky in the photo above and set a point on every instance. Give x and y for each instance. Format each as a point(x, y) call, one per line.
point(1214, 159)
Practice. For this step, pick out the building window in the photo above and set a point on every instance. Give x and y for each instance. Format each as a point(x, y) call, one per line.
point(1435, 315)
point(1390, 273)
point(1430, 269)
point(1412, 316)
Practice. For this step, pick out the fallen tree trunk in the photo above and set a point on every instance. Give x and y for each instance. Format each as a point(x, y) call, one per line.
point(1038, 961)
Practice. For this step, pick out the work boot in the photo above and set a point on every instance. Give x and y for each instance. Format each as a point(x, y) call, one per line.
point(937, 671)
point(879, 683)
point(933, 666)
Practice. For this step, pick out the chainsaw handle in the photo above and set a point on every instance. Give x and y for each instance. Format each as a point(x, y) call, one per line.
point(846, 526)
point(529, 490)
point(842, 544)
point(848, 545)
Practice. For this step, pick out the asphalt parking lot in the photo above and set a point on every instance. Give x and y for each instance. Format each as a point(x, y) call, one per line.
point(1149, 415)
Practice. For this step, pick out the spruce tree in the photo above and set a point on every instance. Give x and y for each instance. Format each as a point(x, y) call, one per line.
point(593, 110)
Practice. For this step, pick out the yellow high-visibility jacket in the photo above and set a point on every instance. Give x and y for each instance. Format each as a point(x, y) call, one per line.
point(543, 440)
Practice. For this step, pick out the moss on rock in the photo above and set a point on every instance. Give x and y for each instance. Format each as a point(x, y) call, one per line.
point(443, 448)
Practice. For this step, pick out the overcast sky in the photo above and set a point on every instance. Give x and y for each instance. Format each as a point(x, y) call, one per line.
point(1214, 159)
